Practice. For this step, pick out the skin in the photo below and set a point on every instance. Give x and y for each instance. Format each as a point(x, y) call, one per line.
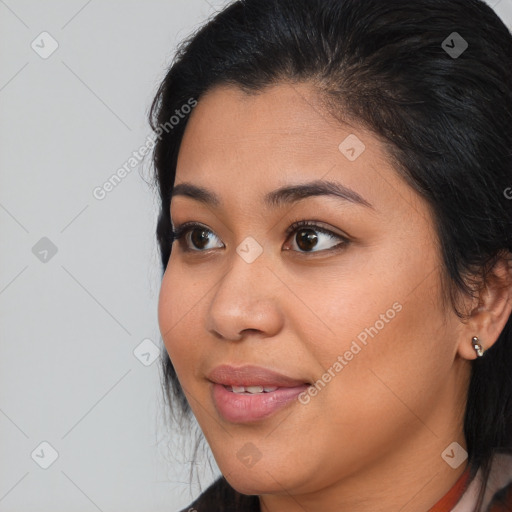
point(372, 438)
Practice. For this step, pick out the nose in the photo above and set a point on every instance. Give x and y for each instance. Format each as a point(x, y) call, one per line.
point(246, 301)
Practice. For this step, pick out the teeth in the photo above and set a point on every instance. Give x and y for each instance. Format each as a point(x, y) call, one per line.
point(253, 389)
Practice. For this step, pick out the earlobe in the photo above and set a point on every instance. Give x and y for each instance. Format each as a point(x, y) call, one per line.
point(488, 319)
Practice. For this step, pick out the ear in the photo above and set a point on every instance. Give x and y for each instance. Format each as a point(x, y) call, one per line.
point(492, 310)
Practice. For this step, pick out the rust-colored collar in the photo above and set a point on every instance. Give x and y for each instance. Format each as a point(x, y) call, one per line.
point(450, 499)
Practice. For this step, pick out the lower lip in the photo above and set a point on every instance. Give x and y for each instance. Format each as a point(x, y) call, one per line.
point(242, 408)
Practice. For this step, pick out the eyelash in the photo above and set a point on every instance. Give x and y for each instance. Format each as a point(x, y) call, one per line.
point(185, 228)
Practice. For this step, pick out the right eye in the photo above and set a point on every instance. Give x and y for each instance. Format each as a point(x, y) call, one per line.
point(194, 236)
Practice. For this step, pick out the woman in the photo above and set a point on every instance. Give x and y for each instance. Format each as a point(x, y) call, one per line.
point(336, 305)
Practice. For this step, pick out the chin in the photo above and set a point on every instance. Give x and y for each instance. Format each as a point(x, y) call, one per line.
point(248, 484)
point(258, 480)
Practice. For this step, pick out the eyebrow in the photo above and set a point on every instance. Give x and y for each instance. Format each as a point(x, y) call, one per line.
point(280, 196)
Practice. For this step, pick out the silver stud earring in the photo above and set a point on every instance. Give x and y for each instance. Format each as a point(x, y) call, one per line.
point(477, 346)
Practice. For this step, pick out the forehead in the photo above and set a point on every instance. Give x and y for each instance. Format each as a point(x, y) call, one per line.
point(283, 117)
point(245, 145)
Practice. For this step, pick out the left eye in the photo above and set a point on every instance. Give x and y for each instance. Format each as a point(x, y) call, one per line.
point(308, 236)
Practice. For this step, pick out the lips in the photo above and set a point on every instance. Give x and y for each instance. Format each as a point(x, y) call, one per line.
point(250, 375)
point(252, 393)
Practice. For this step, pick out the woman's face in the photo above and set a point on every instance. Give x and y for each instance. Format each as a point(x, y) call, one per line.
point(351, 304)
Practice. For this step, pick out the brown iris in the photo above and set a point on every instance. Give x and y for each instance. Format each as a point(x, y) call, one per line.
point(199, 237)
point(306, 239)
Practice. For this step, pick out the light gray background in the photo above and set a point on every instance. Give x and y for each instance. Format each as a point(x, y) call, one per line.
point(70, 324)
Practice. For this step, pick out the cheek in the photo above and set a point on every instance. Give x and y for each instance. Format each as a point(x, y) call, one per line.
point(178, 305)
point(383, 342)
point(395, 357)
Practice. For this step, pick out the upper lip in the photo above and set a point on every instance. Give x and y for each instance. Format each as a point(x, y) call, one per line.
point(251, 375)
